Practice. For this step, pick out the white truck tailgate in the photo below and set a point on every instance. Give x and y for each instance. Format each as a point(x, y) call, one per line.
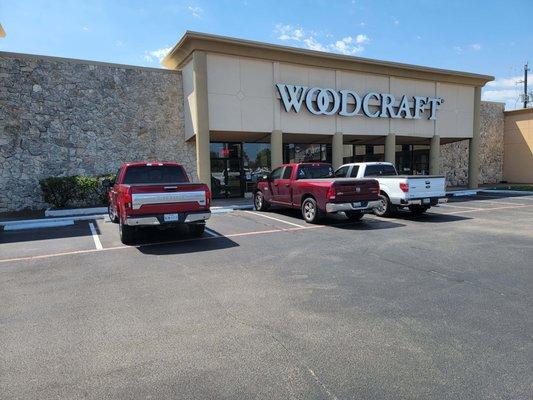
point(426, 186)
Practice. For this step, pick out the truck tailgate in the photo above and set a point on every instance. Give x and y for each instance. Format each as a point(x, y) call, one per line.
point(426, 186)
point(157, 199)
point(349, 190)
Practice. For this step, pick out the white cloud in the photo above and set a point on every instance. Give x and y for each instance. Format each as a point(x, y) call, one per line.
point(158, 54)
point(475, 46)
point(196, 11)
point(361, 38)
point(347, 45)
point(458, 49)
point(85, 28)
point(506, 90)
point(396, 22)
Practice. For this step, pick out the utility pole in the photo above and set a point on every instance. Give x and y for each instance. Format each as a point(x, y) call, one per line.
point(526, 69)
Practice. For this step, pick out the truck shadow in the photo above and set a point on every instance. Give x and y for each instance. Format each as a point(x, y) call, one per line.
point(178, 241)
point(340, 221)
point(433, 217)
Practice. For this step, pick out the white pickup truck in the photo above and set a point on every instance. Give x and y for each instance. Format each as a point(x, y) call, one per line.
point(415, 192)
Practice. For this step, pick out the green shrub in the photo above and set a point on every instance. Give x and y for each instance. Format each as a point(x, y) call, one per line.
point(75, 191)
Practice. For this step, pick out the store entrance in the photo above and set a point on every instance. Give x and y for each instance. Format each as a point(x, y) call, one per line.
point(236, 167)
point(226, 170)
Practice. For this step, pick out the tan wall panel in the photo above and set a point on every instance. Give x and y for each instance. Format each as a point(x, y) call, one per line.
point(242, 96)
point(188, 100)
point(518, 143)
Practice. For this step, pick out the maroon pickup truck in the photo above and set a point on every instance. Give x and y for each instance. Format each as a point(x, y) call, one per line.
point(157, 194)
point(313, 188)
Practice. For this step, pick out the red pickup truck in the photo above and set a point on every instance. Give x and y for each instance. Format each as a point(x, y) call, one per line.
point(313, 188)
point(157, 194)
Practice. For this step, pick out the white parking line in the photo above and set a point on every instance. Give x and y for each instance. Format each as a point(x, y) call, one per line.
point(96, 239)
point(275, 219)
point(455, 206)
point(489, 209)
point(211, 232)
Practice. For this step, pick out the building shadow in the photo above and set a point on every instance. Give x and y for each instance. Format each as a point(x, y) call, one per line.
point(78, 229)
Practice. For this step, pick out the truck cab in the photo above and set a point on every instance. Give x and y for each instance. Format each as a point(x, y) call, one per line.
point(414, 192)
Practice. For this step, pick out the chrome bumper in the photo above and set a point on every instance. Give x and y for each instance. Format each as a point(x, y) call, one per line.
point(418, 202)
point(365, 205)
point(153, 221)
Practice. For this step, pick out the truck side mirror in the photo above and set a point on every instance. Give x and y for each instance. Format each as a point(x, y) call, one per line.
point(106, 183)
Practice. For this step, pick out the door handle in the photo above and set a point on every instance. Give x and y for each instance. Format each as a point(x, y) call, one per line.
point(287, 185)
point(275, 184)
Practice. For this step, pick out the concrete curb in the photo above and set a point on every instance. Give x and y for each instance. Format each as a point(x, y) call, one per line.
point(69, 220)
point(75, 211)
point(523, 192)
point(227, 209)
point(46, 222)
point(462, 193)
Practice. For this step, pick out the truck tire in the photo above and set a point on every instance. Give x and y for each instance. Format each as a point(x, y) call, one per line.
point(418, 210)
point(260, 204)
point(386, 208)
point(127, 233)
point(354, 215)
point(112, 216)
point(196, 230)
point(310, 211)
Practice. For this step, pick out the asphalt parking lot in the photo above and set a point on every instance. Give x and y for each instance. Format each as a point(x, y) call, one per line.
point(264, 306)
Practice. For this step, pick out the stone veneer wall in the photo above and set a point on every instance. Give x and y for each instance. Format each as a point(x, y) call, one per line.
point(61, 117)
point(454, 156)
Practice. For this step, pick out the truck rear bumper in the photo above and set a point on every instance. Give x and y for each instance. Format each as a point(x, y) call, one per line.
point(154, 220)
point(356, 206)
point(433, 201)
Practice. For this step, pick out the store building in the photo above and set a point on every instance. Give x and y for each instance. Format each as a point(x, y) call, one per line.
point(231, 109)
point(250, 106)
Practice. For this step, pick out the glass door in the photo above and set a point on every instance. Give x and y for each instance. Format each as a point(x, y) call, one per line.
point(226, 170)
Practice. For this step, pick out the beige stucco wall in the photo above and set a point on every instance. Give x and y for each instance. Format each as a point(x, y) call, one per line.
point(518, 144)
point(243, 98)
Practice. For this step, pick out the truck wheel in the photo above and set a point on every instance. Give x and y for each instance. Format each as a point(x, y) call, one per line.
point(310, 211)
point(418, 210)
point(127, 233)
point(112, 216)
point(260, 204)
point(196, 230)
point(354, 215)
point(385, 208)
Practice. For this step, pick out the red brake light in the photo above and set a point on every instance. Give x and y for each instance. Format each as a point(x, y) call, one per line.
point(207, 197)
point(404, 187)
point(126, 196)
point(331, 193)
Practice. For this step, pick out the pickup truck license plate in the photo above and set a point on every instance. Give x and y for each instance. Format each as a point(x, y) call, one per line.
point(356, 204)
point(426, 201)
point(171, 217)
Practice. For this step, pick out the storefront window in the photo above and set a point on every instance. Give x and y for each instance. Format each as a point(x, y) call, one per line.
point(294, 153)
point(226, 170)
point(256, 162)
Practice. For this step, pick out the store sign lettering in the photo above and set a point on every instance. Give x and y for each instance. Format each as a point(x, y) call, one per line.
point(348, 103)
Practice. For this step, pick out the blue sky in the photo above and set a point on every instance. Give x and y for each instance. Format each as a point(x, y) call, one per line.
point(489, 37)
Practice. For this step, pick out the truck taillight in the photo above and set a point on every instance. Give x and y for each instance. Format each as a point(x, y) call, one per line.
point(375, 189)
point(404, 187)
point(331, 193)
point(127, 199)
point(207, 197)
